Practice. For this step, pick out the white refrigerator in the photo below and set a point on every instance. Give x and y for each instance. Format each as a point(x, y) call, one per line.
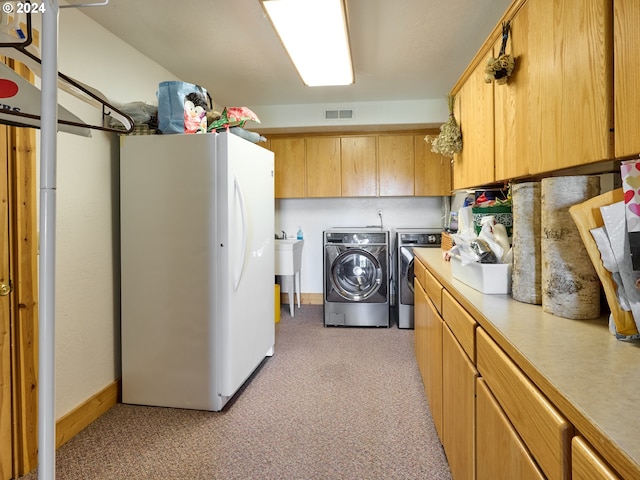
point(197, 267)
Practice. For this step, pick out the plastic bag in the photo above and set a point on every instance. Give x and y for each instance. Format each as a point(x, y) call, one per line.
point(182, 107)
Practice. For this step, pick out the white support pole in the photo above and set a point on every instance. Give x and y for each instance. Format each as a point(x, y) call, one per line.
point(46, 289)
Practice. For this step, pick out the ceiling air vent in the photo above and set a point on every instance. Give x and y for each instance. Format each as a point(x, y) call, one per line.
point(336, 114)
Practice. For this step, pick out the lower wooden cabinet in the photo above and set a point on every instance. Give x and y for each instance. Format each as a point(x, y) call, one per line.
point(428, 348)
point(546, 433)
point(495, 419)
point(458, 407)
point(500, 453)
point(434, 367)
point(586, 464)
point(420, 314)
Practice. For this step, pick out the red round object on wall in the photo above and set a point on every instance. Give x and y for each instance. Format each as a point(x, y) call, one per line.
point(7, 88)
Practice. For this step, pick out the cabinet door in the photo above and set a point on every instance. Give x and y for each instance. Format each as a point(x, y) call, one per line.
point(289, 167)
point(420, 320)
point(428, 351)
point(432, 170)
point(359, 173)
point(586, 464)
point(500, 453)
point(434, 327)
point(626, 52)
point(569, 83)
point(512, 113)
point(396, 165)
point(474, 165)
point(542, 428)
point(458, 399)
point(323, 167)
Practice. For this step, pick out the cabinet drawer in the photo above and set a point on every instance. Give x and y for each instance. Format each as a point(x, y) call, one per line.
point(434, 290)
point(461, 324)
point(586, 464)
point(543, 429)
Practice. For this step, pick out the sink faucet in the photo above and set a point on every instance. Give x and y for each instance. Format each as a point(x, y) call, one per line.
point(284, 235)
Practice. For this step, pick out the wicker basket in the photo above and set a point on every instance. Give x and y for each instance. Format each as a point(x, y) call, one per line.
point(446, 241)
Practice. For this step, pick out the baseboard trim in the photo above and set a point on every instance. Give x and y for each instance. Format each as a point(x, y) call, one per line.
point(305, 298)
point(82, 416)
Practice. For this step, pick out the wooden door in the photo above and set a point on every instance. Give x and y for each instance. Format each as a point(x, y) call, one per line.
point(474, 165)
point(289, 167)
point(359, 160)
point(434, 328)
point(18, 309)
point(512, 112)
point(432, 170)
point(458, 399)
point(396, 165)
point(5, 315)
point(420, 314)
point(586, 464)
point(570, 83)
point(626, 52)
point(323, 169)
point(500, 452)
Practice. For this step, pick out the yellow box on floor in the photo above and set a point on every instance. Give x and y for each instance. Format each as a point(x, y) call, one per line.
point(276, 302)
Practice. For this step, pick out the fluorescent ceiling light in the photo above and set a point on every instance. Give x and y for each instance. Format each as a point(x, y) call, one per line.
point(315, 35)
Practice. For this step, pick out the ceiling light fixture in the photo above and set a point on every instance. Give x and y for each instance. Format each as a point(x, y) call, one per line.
point(315, 35)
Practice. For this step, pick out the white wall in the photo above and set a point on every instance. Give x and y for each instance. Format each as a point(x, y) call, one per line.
point(316, 215)
point(427, 113)
point(87, 274)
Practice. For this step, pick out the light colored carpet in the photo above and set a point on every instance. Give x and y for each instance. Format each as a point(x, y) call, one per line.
point(332, 403)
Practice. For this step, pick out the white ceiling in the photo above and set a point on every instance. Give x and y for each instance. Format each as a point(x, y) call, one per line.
point(401, 49)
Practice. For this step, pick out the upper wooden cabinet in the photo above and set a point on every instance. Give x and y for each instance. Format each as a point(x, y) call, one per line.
point(359, 160)
point(626, 35)
point(358, 165)
point(432, 170)
point(323, 167)
point(512, 113)
point(474, 111)
point(396, 165)
point(289, 167)
point(556, 110)
point(569, 83)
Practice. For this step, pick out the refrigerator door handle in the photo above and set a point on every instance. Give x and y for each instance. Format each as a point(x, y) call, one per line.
point(238, 194)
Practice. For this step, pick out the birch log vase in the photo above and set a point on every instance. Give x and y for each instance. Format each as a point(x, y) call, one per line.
point(527, 258)
point(570, 285)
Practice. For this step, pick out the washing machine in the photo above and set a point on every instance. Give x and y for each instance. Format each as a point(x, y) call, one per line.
point(406, 240)
point(356, 277)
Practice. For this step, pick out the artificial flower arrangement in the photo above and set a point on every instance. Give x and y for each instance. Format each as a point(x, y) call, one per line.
point(449, 141)
point(500, 69)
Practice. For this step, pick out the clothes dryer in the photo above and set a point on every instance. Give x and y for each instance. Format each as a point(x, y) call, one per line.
point(356, 277)
point(406, 240)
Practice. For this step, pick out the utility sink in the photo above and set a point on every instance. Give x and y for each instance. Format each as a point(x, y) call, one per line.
point(288, 256)
point(287, 266)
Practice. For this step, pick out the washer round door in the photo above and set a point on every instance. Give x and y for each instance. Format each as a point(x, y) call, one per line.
point(356, 274)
